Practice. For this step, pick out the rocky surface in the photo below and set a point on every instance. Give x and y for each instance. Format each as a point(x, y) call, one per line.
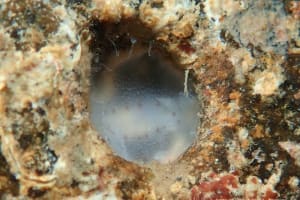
point(244, 56)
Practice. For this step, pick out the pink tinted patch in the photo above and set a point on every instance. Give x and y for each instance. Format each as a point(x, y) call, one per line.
point(270, 195)
point(218, 189)
point(186, 47)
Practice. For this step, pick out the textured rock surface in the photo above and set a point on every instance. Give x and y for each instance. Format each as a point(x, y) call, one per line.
point(243, 54)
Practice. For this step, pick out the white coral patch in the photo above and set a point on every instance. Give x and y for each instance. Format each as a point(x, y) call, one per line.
point(169, 14)
point(243, 62)
point(113, 9)
point(268, 83)
point(215, 9)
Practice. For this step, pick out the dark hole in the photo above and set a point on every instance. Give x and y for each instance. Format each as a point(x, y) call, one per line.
point(137, 101)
